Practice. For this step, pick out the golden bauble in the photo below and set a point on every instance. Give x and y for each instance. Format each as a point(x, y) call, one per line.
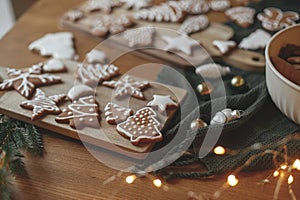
point(205, 88)
point(237, 81)
point(197, 123)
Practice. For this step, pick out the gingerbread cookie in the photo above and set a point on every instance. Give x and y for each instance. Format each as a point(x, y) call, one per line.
point(81, 113)
point(42, 104)
point(103, 5)
point(136, 5)
point(219, 5)
point(255, 40)
point(194, 24)
point(127, 86)
point(95, 56)
point(273, 19)
point(139, 37)
point(57, 45)
point(113, 24)
point(166, 12)
point(212, 70)
point(92, 74)
point(181, 43)
point(74, 15)
point(196, 6)
point(54, 66)
point(78, 91)
point(243, 16)
point(25, 81)
point(224, 46)
point(115, 114)
point(141, 127)
point(162, 102)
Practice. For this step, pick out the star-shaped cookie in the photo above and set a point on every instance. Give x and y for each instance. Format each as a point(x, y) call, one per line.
point(42, 104)
point(180, 43)
point(162, 102)
point(127, 87)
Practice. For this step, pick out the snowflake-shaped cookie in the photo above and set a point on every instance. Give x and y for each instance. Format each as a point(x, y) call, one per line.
point(127, 87)
point(42, 104)
point(26, 81)
point(181, 43)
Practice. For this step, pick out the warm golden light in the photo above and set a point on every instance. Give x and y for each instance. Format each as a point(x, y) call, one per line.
point(290, 179)
point(232, 180)
point(276, 173)
point(296, 164)
point(219, 150)
point(283, 167)
point(157, 183)
point(130, 179)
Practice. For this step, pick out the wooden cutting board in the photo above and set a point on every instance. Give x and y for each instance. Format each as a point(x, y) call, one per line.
point(247, 60)
point(107, 137)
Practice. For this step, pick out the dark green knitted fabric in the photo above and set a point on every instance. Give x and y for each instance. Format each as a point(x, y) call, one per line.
point(261, 121)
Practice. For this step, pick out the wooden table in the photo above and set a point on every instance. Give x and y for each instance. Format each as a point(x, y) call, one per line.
point(68, 170)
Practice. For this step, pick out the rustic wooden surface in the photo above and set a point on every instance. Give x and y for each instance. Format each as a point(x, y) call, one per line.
point(107, 135)
point(247, 60)
point(68, 170)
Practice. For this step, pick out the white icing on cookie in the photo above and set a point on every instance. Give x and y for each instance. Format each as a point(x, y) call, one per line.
point(139, 130)
point(255, 40)
point(96, 73)
point(95, 56)
point(167, 12)
point(273, 19)
point(136, 4)
point(219, 5)
point(54, 65)
point(194, 24)
point(25, 81)
point(74, 15)
point(139, 37)
point(243, 16)
point(58, 45)
point(104, 5)
point(115, 113)
point(41, 104)
point(224, 46)
point(212, 70)
point(162, 102)
point(78, 91)
point(181, 43)
point(77, 109)
point(127, 86)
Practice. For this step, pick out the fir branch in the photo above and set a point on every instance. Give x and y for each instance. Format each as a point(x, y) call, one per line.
point(15, 136)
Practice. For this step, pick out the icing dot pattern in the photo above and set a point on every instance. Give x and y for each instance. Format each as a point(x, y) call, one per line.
point(139, 130)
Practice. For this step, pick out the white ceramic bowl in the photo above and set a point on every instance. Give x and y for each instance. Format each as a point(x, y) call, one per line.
point(284, 93)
